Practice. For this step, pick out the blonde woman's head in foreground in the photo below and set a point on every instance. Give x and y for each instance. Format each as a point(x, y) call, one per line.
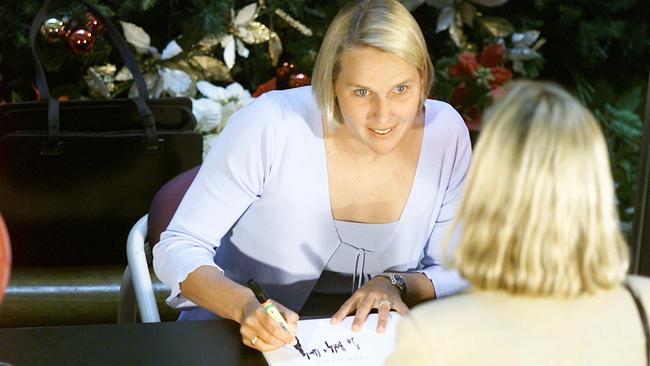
point(538, 214)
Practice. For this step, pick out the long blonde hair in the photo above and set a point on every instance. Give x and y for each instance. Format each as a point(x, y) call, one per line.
point(383, 24)
point(538, 214)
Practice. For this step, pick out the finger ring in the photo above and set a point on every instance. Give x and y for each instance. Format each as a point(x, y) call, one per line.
point(254, 340)
point(386, 303)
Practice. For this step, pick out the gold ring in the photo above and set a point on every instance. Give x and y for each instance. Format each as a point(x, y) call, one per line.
point(386, 303)
point(254, 340)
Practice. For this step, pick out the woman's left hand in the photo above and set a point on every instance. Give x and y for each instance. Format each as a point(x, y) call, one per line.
point(377, 293)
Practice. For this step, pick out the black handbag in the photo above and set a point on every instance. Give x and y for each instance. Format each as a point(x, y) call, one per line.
point(75, 176)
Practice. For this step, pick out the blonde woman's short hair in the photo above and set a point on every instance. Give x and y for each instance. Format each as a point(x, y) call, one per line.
point(383, 24)
point(538, 214)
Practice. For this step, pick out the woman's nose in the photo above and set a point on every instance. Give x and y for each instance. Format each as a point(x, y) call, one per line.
point(381, 110)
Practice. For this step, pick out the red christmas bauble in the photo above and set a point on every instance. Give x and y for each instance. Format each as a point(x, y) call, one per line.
point(299, 79)
point(93, 24)
point(284, 70)
point(81, 40)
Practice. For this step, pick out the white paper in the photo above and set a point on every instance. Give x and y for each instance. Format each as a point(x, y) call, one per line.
point(326, 344)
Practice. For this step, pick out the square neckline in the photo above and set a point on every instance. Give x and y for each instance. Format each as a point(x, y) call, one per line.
point(416, 176)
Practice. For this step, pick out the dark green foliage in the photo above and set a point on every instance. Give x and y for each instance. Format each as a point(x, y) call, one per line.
point(599, 50)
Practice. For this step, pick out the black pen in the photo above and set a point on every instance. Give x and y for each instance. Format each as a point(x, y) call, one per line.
point(273, 311)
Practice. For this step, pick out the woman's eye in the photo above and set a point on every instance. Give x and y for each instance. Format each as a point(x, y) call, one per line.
point(401, 89)
point(361, 92)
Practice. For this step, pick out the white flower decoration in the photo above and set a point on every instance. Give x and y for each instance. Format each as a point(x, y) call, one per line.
point(208, 114)
point(230, 99)
point(172, 49)
point(137, 37)
point(176, 83)
point(211, 91)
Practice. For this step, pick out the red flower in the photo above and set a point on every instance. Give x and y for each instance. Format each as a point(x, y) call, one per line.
point(466, 65)
point(492, 55)
point(500, 75)
point(459, 95)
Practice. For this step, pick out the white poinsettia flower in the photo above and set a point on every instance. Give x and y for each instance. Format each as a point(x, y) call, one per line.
point(171, 50)
point(228, 43)
point(137, 37)
point(212, 91)
point(232, 45)
point(241, 49)
point(246, 14)
point(176, 83)
point(124, 74)
point(207, 113)
point(237, 91)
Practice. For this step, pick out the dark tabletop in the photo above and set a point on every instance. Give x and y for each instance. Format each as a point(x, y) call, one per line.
point(214, 342)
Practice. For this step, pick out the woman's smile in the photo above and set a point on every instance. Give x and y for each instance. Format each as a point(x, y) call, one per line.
point(381, 132)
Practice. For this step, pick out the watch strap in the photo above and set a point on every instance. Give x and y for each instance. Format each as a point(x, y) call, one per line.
point(397, 281)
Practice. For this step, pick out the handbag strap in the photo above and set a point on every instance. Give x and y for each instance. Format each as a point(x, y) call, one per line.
point(644, 319)
point(148, 122)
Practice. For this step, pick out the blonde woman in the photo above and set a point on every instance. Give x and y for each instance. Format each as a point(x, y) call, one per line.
point(540, 243)
point(323, 193)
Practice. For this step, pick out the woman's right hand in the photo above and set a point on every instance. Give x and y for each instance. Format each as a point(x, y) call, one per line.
point(259, 331)
point(207, 287)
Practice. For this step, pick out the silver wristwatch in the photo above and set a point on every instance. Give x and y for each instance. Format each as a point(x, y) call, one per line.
point(398, 281)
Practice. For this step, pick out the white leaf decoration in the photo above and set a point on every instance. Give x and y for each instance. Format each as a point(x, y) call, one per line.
point(172, 49)
point(212, 91)
point(229, 51)
point(241, 49)
point(137, 37)
point(246, 15)
point(237, 91)
point(207, 113)
point(176, 82)
point(445, 18)
point(124, 74)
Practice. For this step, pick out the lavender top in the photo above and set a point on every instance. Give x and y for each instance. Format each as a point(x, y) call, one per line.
point(259, 206)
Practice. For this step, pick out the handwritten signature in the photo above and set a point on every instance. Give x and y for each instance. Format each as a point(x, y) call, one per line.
point(334, 348)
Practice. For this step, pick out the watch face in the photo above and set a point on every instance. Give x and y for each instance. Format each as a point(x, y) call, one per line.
point(397, 280)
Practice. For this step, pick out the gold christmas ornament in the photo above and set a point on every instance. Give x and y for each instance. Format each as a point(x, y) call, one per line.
point(101, 80)
point(53, 30)
point(293, 22)
point(498, 27)
point(275, 48)
point(211, 68)
point(208, 43)
point(253, 33)
point(456, 13)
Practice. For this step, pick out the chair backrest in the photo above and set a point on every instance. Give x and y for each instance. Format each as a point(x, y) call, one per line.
point(5, 257)
point(165, 202)
point(136, 283)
